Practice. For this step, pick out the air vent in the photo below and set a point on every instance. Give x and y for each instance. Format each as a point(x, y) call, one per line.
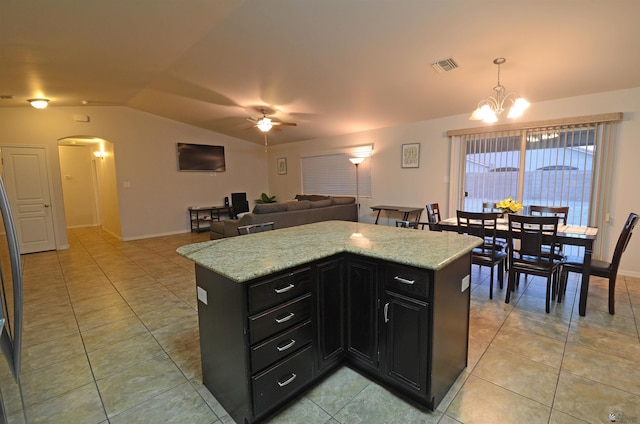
point(444, 65)
point(6, 97)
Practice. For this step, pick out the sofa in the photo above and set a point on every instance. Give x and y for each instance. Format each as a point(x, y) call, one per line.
point(305, 209)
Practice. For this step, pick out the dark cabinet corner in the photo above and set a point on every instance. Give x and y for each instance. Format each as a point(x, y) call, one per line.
point(330, 313)
point(362, 311)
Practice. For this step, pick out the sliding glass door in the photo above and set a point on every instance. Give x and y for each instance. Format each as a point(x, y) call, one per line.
point(566, 162)
point(551, 167)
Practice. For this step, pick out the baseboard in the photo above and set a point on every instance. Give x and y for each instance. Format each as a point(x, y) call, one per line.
point(146, 236)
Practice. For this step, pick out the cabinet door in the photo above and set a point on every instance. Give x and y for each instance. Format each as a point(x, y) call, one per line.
point(406, 322)
point(362, 306)
point(330, 312)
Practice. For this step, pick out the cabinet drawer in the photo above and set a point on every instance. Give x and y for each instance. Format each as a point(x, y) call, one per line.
point(408, 280)
point(281, 381)
point(274, 291)
point(279, 319)
point(275, 349)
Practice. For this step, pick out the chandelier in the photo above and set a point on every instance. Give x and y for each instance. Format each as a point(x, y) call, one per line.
point(490, 108)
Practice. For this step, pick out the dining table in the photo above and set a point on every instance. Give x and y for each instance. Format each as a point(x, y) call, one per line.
point(571, 235)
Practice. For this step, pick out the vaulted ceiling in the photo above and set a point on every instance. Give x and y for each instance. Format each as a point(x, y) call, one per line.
point(331, 66)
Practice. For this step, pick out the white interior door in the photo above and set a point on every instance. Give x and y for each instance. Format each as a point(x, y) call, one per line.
point(27, 183)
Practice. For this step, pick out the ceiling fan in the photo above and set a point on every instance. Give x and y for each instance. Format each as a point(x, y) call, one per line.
point(265, 124)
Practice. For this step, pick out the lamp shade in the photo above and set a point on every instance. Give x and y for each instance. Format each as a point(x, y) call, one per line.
point(356, 161)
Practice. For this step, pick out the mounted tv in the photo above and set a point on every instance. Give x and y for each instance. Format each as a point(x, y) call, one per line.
point(200, 157)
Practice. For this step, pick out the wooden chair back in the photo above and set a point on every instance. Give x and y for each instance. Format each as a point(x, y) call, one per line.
point(560, 211)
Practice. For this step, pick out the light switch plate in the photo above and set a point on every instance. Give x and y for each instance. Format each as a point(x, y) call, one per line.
point(202, 295)
point(465, 283)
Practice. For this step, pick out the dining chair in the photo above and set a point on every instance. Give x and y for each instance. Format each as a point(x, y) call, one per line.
point(490, 207)
point(560, 211)
point(433, 216)
point(528, 237)
point(239, 203)
point(255, 228)
point(500, 242)
point(483, 225)
point(411, 224)
point(601, 268)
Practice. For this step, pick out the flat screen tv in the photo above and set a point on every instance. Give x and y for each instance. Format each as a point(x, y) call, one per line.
point(200, 157)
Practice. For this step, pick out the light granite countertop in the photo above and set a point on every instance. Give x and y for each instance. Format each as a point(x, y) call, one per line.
point(244, 258)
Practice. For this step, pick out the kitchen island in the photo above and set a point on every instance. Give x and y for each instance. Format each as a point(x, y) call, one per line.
point(281, 309)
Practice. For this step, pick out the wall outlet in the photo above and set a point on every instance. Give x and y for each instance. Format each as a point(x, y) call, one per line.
point(465, 283)
point(202, 295)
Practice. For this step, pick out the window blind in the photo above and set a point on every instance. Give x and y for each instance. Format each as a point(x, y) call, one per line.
point(334, 174)
point(558, 164)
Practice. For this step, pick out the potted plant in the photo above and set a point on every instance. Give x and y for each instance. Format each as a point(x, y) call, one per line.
point(265, 198)
point(509, 205)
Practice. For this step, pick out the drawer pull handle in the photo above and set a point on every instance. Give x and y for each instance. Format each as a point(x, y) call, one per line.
point(284, 289)
point(403, 280)
point(287, 346)
point(287, 381)
point(285, 318)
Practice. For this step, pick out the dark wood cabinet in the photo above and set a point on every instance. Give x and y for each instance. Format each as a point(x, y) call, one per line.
point(330, 312)
point(406, 323)
point(362, 312)
point(256, 340)
point(266, 340)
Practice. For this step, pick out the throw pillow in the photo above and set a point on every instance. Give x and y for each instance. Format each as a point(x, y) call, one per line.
point(298, 205)
point(261, 208)
point(343, 200)
point(320, 203)
point(311, 197)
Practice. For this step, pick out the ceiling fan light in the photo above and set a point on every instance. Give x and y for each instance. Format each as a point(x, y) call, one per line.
point(264, 124)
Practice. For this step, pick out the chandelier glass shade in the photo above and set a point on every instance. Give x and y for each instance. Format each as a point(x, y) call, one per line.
point(490, 108)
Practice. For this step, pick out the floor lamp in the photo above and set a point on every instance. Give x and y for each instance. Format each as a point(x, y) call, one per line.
point(356, 162)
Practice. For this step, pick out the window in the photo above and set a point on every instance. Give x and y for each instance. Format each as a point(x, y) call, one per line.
point(334, 174)
point(559, 163)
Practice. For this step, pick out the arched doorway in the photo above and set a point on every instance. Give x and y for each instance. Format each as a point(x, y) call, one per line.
point(89, 187)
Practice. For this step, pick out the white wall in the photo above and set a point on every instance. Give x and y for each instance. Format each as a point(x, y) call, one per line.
point(156, 202)
point(394, 185)
point(145, 157)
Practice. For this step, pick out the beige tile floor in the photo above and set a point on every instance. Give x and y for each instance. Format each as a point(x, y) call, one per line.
point(110, 335)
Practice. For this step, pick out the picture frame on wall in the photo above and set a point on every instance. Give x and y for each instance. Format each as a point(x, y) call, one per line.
point(282, 166)
point(411, 155)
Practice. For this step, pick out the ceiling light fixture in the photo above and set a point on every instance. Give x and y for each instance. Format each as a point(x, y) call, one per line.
point(264, 124)
point(490, 108)
point(39, 103)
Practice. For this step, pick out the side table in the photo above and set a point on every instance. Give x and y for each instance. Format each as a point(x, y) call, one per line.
point(201, 216)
